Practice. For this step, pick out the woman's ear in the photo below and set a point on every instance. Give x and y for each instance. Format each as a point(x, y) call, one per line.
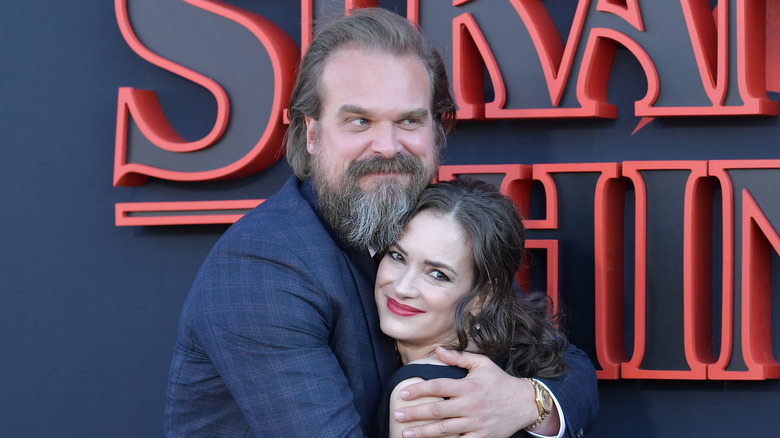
point(475, 306)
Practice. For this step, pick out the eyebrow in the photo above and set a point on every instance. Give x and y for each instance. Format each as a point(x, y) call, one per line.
point(416, 113)
point(430, 262)
point(421, 112)
point(352, 109)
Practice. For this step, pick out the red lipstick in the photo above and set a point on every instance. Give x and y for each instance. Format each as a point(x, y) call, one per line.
point(402, 309)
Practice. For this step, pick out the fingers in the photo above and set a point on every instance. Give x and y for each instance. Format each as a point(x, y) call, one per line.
point(443, 388)
point(452, 427)
point(457, 415)
point(462, 359)
point(429, 411)
point(481, 404)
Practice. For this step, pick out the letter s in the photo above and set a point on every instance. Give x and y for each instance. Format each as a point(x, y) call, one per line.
point(203, 33)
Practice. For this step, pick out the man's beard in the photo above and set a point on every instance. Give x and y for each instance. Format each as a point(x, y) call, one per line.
point(372, 218)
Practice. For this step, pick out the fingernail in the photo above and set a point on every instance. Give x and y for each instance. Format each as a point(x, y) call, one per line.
point(408, 434)
point(404, 394)
point(399, 416)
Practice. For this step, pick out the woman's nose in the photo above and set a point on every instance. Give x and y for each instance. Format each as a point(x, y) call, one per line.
point(405, 285)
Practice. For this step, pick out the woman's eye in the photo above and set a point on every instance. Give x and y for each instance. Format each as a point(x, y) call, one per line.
point(395, 256)
point(440, 276)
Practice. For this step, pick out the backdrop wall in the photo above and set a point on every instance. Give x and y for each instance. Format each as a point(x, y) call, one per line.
point(89, 309)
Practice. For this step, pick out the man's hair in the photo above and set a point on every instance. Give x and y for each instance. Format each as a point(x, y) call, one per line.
point(367, 29)
point(510, 323)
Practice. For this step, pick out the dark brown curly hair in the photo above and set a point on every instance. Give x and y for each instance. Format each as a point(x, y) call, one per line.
point(510, 323)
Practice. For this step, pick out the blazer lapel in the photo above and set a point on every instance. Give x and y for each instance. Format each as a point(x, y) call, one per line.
point(364, 270)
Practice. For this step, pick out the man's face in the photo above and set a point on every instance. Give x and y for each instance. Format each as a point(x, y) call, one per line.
point(373, 145)
point(374, 104)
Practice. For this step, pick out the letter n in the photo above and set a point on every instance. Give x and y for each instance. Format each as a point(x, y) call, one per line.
point(750, 238)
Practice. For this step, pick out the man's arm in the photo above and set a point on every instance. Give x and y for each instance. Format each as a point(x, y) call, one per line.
point(576, 392)
point(265, 324)
point(496, 404)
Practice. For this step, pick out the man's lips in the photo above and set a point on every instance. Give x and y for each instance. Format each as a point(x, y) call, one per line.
point(383, 174)
point(401, 309)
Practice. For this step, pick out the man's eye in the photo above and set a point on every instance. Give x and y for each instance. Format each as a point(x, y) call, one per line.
point(359, 121)
point(411, 122)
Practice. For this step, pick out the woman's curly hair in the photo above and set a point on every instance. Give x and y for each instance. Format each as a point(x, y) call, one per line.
point(509, 323)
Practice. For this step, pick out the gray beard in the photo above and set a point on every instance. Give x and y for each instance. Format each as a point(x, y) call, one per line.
point(374, 218)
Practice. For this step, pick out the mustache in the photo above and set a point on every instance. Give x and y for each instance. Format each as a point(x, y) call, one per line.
point(400, 163)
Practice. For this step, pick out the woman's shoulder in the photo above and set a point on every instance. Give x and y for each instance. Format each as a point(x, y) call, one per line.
point(396, 402)
point(412, 373)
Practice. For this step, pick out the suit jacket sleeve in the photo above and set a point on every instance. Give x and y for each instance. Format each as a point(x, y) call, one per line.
point(264, 316)
point(576, 392)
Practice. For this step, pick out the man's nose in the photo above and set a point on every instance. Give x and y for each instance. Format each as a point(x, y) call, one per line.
point(385, 141)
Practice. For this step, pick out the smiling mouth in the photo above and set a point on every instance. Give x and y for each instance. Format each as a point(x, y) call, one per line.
point(402, 309)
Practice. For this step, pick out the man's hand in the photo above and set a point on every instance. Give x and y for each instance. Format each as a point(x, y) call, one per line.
point(488, 402)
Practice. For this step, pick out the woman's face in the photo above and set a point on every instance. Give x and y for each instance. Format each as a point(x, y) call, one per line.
point(420, 281)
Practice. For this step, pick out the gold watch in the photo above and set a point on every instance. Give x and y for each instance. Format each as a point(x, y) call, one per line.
point(544, 402)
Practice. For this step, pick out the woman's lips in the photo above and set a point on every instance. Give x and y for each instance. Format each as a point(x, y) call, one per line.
point(401, 309)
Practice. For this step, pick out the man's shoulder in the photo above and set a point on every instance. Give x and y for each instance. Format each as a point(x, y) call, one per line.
point(286, 218)
point(289, 197)
point(286, 208)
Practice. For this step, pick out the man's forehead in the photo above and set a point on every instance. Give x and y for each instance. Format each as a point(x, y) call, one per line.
point(352, 54)
point(342, 71)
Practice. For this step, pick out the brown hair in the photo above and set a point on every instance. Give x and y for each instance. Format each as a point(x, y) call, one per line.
point(510, 323)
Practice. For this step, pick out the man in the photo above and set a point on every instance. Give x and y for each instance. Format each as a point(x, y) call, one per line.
point(279, 335)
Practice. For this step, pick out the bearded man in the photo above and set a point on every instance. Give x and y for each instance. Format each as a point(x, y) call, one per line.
point(279, 336)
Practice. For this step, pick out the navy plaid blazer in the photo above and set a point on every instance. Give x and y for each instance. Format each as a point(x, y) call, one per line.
point(279, 335)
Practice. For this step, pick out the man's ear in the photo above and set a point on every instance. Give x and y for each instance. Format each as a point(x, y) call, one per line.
point(311, 134)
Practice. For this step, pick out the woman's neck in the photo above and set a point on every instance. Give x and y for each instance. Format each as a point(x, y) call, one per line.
point(419, 354)
point(413, 353)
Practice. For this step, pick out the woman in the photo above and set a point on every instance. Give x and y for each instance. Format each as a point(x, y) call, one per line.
point(449, 282)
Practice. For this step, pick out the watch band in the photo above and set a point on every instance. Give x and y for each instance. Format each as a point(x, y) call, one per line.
point(543, 413)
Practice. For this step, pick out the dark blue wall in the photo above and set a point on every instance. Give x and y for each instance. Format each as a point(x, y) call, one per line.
point(88, 310)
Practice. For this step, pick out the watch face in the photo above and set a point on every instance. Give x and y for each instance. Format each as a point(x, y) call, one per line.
point(547, 401)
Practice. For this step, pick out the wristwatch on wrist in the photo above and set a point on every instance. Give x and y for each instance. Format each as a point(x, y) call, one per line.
point(544, 402)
